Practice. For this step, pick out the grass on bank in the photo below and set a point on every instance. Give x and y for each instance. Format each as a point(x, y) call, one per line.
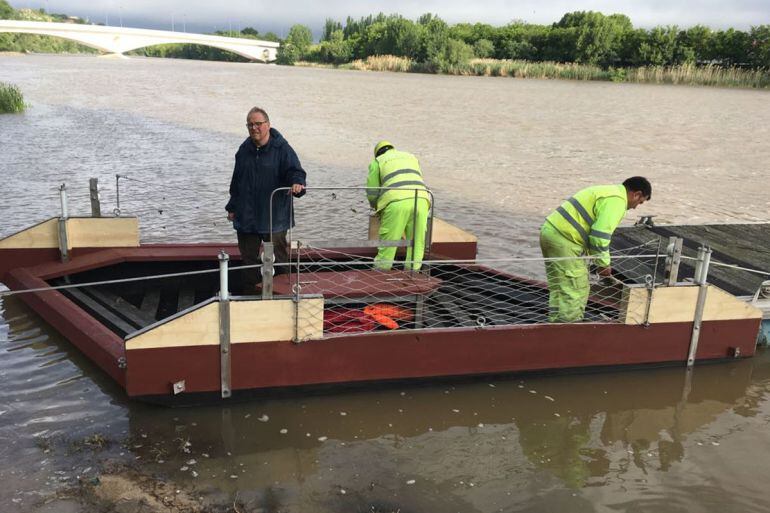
point(11, 99)
point(688, 74)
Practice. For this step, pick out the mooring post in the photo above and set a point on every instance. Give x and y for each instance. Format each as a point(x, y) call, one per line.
point(93, 192)
point(701, 279)
point(63, 242)
point(224, 325)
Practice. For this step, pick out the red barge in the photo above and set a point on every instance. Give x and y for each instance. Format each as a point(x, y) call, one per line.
point(158, 318)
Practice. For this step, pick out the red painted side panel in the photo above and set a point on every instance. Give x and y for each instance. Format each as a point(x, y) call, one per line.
point(435, 353)
point(15, 258)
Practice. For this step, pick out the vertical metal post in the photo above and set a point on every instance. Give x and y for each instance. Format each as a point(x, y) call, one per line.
point(63, 241)
point(117, 196)
point(650, 283)
point(224, 326)
point(429, 231)
point(701, 278)
point(268, 258)
point(93, 192)
point(673, 258)
point(297, 289)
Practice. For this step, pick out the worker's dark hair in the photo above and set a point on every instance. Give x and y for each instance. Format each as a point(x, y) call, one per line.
point(383, 150)
point(639, 183)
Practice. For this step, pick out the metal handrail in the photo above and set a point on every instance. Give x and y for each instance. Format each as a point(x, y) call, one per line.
point(327, 243)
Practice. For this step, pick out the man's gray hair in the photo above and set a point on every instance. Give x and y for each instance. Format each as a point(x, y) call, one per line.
point(260, 110)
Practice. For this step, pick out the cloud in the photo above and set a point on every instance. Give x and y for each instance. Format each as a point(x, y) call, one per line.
point(204, 15)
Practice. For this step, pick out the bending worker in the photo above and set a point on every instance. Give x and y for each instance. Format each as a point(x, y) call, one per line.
point(402, 204)
point(583, 225)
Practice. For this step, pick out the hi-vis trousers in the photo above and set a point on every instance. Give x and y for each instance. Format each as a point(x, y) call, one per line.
point(398, 219)
point(568, 286)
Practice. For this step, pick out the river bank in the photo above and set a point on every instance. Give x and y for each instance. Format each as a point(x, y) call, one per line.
point(684, 74)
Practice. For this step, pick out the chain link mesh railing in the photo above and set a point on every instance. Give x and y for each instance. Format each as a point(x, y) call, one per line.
point(450, 293)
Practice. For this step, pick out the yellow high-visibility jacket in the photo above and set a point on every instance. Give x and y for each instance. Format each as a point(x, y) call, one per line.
point(590, 217)
point(397, 169)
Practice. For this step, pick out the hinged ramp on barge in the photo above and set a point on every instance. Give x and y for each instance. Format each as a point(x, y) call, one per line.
point(741, 245)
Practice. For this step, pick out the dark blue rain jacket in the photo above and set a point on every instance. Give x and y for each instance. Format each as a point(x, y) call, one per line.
point(258, 172)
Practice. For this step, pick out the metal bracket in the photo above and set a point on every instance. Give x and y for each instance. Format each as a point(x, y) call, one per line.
point(178, 387)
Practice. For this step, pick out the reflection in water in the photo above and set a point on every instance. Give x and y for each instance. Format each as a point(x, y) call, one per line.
point(474, 442)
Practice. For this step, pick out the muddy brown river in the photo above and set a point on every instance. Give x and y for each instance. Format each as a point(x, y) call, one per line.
point(499, 154)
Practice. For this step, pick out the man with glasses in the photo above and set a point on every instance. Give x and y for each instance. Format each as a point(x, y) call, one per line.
point(264, 162)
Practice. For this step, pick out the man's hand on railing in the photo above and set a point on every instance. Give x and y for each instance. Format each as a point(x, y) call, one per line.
point(604, 272)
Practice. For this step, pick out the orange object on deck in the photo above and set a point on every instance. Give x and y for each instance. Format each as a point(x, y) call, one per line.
point(389, 310)
point(384, 320)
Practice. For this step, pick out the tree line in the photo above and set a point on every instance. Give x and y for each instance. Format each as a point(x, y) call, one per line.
point(584, 37)
point(581, 37)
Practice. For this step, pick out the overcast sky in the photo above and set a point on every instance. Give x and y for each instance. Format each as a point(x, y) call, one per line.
point(279, 15)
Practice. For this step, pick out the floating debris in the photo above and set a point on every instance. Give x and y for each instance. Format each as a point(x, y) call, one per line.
point(191, 462)
point(411, 482)
point(455, 410)
point(549, 398)
point(343, 413)
point(322, 438)
point(284, 431)
point(185, 468)
point(533, 391)
point(263, 418)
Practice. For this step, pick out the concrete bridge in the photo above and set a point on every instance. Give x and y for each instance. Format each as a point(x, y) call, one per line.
point(118, 39)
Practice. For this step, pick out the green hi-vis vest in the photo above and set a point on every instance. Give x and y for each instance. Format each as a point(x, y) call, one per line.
point(397, 169)
point(590, 217)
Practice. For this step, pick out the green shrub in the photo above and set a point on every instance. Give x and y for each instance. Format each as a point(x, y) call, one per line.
point(11, 99)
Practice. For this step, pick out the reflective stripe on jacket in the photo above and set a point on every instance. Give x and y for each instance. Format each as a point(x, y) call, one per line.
point(397, 169)
point(590, 217)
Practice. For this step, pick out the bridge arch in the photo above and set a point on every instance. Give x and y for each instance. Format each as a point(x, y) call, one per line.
point(119, 40)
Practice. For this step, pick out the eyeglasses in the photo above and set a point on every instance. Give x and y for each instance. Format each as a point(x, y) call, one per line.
point(256, 124)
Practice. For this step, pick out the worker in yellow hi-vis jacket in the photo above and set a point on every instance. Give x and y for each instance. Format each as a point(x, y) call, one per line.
point(583, 225)
point(402, 206)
